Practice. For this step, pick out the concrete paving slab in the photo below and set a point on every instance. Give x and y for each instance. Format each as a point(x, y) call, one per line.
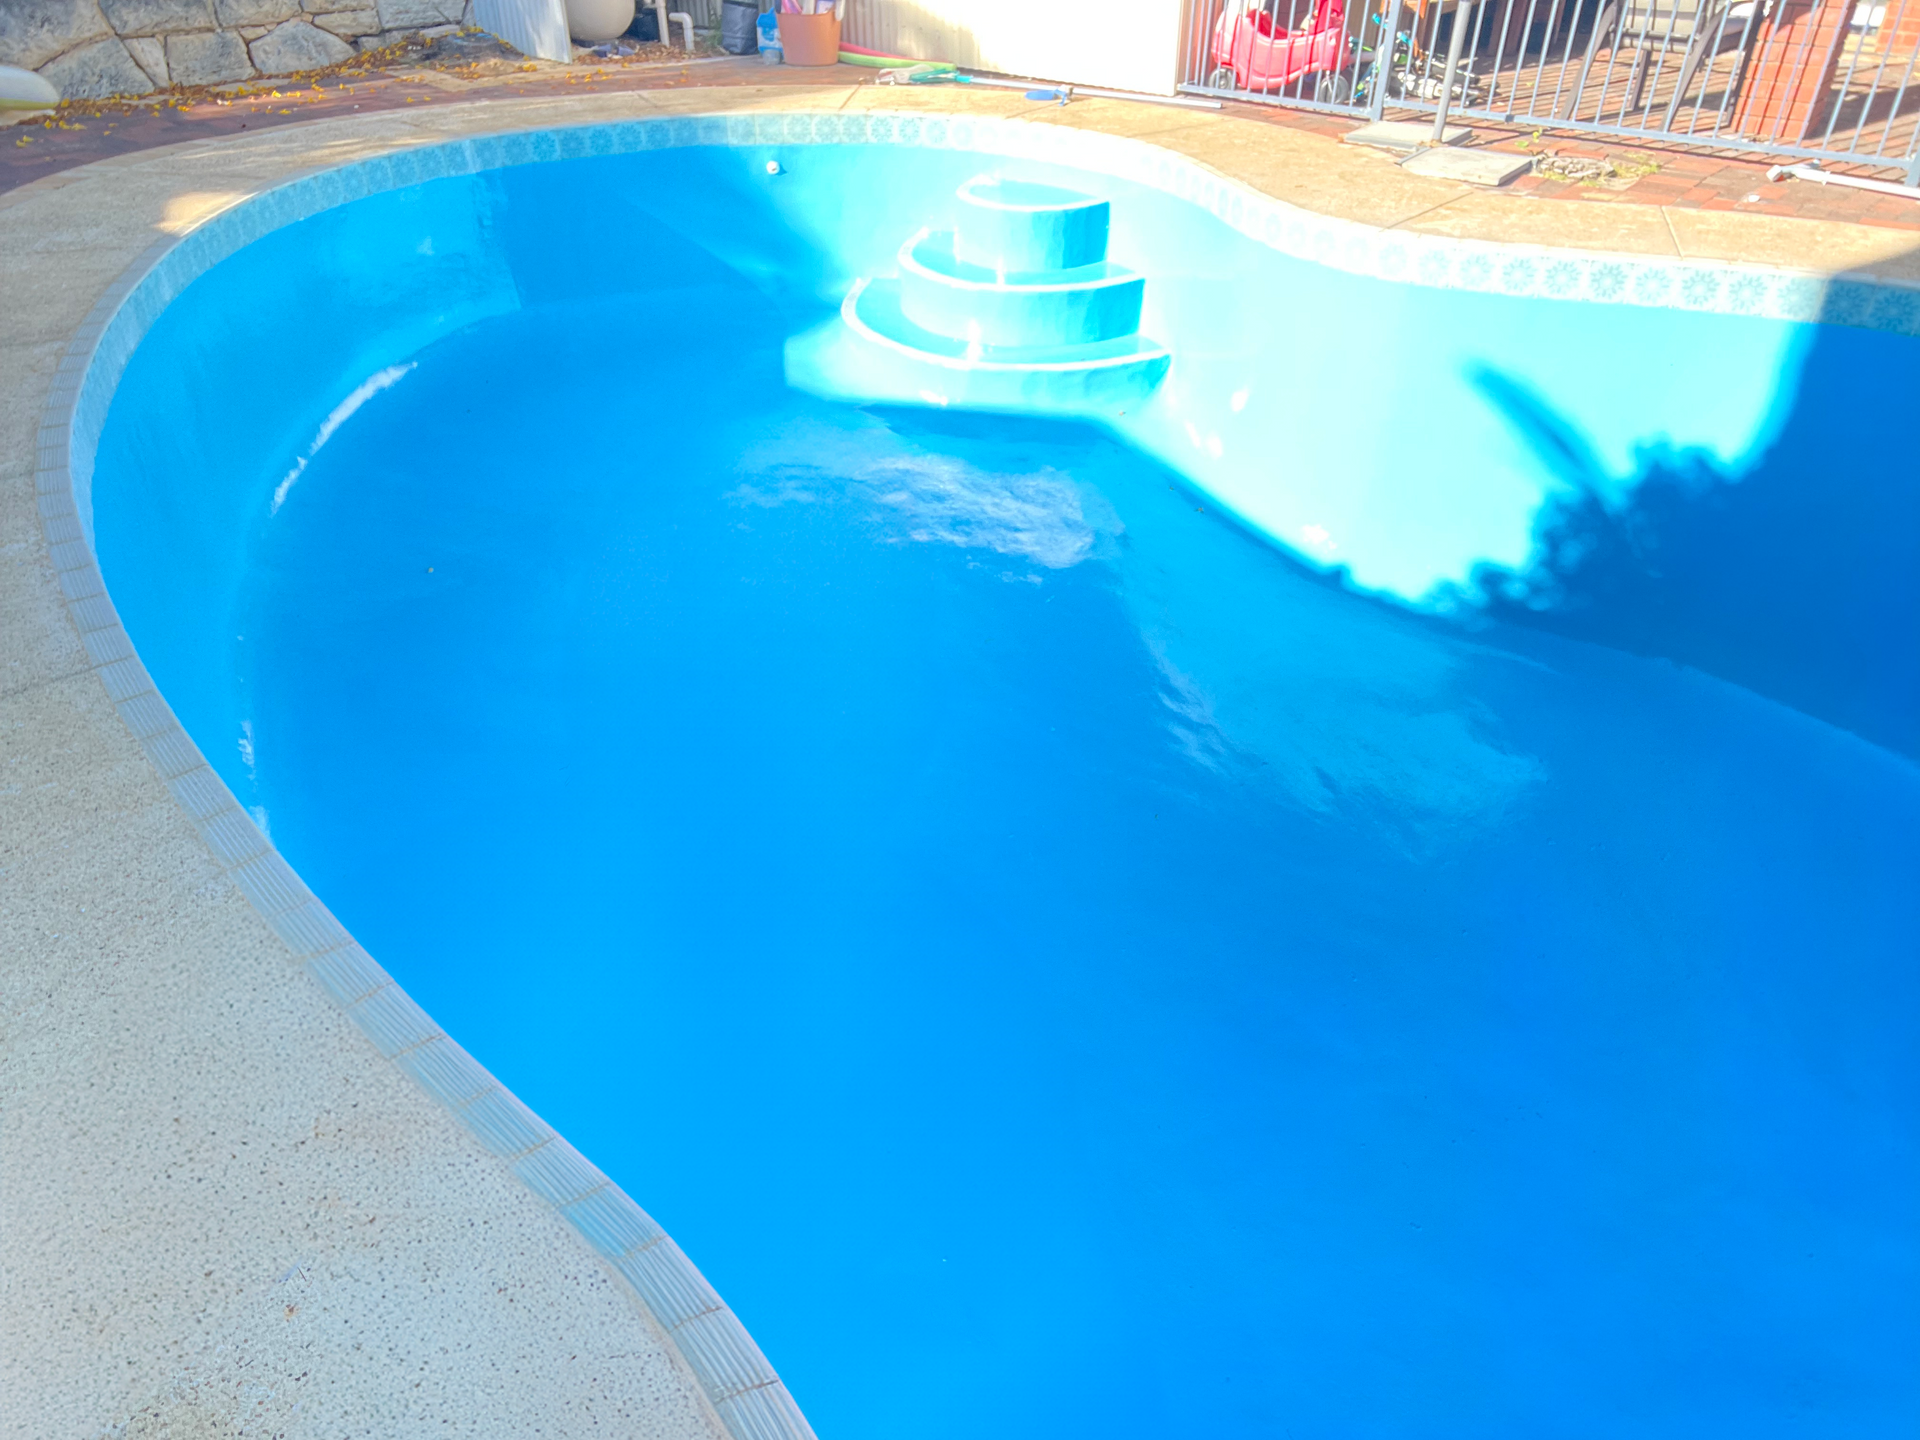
point(1489, 168)
point(26, 372)
point(1828, 245)
point(236, 1211)
point(1406, 135)
point(790, 98)
point(1119, 117)
point(943, 100)
point(46, 301)
point(36, 642)
point(1307, 171)
point(1489, 215)
point(83, 807)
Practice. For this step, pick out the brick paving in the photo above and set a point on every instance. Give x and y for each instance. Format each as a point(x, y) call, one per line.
point(1685, 179)
point(1673, 177)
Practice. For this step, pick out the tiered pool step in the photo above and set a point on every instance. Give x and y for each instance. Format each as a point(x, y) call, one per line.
point(1084, 304)
point(1016, 226)
point(1017, 306)
point(874, 310)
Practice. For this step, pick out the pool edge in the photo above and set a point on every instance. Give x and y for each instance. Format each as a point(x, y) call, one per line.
point(746, 1396)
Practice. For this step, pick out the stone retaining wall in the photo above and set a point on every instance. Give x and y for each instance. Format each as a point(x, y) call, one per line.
point(90, 49)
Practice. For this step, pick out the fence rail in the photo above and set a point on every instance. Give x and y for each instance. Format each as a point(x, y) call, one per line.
point(1833, 79)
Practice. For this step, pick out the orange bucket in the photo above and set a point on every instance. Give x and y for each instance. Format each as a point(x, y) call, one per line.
point(810, 39)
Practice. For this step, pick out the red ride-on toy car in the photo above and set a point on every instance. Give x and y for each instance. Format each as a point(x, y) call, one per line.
point(1252, 53)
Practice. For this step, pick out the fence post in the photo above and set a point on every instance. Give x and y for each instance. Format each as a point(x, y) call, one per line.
point(1383, 68)
point(1462, 17)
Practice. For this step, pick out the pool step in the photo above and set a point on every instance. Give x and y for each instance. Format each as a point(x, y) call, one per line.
point(876, 310)
point(1017, 307)
point(1015, 226)
point(1084, 304)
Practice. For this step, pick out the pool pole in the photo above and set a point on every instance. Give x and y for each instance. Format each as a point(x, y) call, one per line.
point(1461, 14)
point(1383, 68)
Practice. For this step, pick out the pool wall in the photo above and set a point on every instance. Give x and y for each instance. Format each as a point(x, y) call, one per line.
point(441, 292)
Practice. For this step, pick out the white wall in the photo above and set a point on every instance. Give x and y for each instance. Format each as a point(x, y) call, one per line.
point(533, 27)
point(1124, 44)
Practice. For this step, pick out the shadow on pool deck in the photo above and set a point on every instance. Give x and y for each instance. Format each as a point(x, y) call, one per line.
point(1796, 575)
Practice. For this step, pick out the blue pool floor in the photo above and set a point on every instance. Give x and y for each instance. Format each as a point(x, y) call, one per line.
point(1059, 966)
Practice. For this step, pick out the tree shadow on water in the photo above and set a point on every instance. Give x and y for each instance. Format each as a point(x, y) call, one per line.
point(1795, 574)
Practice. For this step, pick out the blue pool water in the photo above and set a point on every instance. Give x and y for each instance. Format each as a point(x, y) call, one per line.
point(1063, 949)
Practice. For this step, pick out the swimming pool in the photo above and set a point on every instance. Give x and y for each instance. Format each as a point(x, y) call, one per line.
point(1365, 894)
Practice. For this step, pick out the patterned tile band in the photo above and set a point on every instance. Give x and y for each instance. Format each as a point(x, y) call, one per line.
point(745, 1392)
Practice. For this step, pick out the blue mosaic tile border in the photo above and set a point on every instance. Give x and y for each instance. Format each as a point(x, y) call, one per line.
point(746, 1394)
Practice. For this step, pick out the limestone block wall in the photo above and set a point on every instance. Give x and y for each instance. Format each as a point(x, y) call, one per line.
point(91, 49)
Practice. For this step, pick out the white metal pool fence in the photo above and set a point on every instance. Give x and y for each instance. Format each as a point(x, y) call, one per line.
point(1826, 79)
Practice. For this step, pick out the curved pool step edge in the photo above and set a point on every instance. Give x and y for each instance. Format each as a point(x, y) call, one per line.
point(1023, 225)
point(872, 311)
point(862, 358)
point(949, 296)
point(746, 1396)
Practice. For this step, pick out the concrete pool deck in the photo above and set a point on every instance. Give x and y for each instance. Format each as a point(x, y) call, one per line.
point(358, 1262)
